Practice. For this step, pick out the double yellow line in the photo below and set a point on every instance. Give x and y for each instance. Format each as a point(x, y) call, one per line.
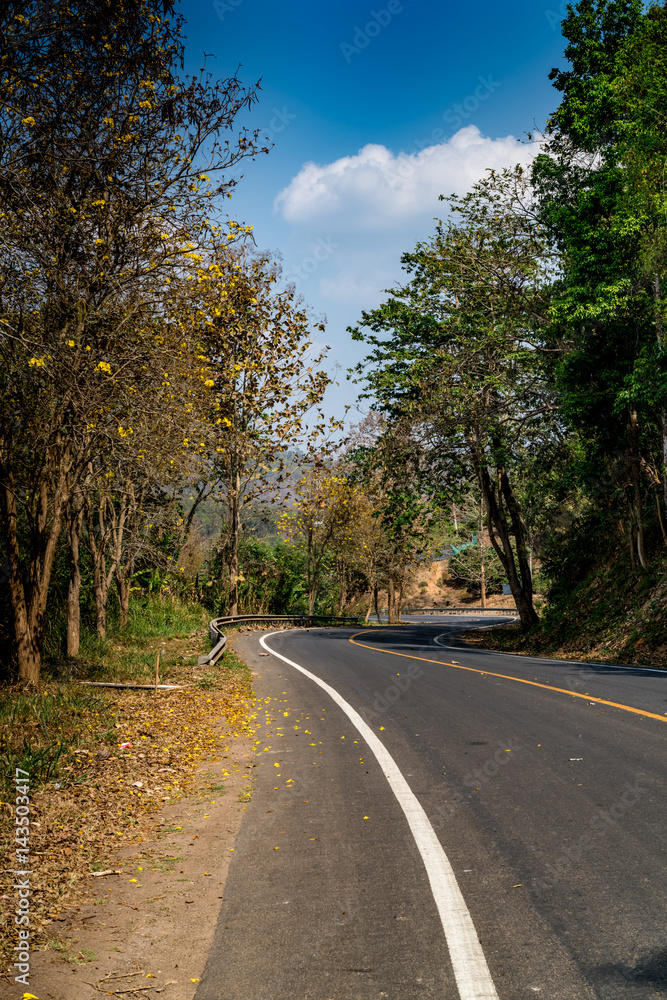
point(507, 677)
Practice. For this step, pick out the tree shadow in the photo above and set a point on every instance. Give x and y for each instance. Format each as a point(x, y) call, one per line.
point(648, 972)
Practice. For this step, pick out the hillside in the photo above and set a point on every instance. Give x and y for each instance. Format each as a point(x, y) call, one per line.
point(611, 616)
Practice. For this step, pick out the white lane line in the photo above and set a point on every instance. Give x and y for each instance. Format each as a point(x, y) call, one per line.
point(473, 978)
point(544, 659)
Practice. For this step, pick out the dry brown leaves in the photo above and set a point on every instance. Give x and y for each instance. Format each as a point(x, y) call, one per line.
point(114, 791)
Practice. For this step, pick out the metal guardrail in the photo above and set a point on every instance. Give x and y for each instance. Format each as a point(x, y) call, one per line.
point(508, 612)
point(218, 639)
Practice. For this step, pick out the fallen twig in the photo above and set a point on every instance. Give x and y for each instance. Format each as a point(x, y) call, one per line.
point(148, 687)
point(150, 899)
point(122, 975)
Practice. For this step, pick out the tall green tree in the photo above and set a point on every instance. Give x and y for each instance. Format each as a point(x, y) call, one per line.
point(600, 193)
point(463, 356)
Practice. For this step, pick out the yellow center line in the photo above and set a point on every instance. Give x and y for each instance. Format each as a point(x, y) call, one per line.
point(508, 677)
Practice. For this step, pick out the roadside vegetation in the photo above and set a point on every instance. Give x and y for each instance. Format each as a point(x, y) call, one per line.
point(103, 762)
point(523, 362)
point(162, 435)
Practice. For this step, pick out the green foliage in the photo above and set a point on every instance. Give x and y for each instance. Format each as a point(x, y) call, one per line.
point(42, 728)
point(466, 566)
point(272, 579)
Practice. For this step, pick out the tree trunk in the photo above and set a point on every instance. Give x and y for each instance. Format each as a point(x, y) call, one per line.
point(390, 601)
point(631, 543)
point(399, 602)
point(234, 531)
point(376, 597)
point(342, 596)
point(100, 612)
point(123, 592)
point(662, 523)
point(97, 546)
point(482, 570)
point(521, 585)
point(74, 525)
point(635, 472)
point(370, 606)
point(29, 605)
point(28, 650)
point(657, 296)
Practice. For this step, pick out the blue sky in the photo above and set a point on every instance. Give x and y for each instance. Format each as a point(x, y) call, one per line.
point(373, 110)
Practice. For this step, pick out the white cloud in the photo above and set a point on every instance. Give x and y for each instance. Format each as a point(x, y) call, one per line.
point(347, 223)
point(377, 190)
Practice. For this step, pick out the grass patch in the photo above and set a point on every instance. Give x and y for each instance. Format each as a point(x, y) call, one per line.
point(167, 865)
point(176, 629)
point(42, 732)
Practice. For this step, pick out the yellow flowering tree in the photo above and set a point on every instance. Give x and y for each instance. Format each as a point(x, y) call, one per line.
point(320, 518)
point(262, 384)
point(110, 167)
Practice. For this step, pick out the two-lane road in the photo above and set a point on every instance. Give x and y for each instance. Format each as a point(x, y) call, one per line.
point(431, 820)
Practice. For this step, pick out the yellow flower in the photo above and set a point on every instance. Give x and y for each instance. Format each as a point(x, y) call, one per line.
point(103, 366)
point(70, 343)
point(29, 121)
point(209, 383)
point(36, 362)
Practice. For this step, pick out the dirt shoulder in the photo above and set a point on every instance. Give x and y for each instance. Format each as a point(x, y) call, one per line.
point(159, 809)
point(148, 927)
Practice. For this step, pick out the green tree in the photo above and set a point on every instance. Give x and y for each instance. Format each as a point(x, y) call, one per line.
point(602, 200)
point(466, 360)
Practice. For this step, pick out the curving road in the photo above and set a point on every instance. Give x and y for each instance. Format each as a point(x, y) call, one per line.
point(431, 820)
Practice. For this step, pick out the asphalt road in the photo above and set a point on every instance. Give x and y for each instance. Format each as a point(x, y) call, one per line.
point(546, 795)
